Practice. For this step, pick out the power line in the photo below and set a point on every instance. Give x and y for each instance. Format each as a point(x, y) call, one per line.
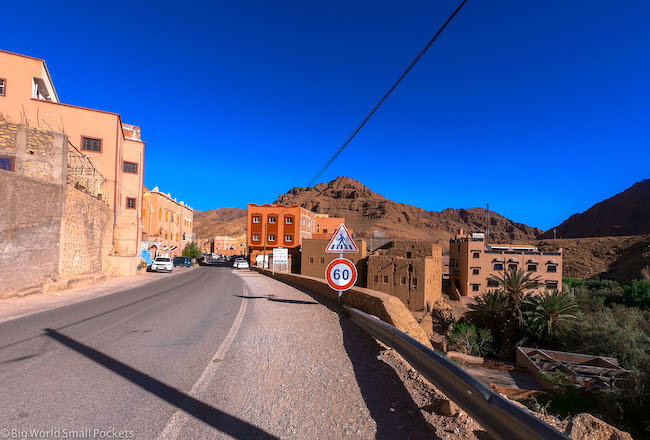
point(381, 101)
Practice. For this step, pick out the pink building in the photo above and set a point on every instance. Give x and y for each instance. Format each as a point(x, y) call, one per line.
point(472, 262)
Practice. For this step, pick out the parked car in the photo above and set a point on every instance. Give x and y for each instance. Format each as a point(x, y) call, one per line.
point(182, 261)
point(240, 263)
point(162, 264)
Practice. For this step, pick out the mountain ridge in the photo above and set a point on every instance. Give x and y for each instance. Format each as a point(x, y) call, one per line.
point(623, 214)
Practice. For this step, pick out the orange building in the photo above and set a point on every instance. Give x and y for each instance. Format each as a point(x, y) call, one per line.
point(271, 226)
point(472, 262)
point(115, 149)
point(166, 223)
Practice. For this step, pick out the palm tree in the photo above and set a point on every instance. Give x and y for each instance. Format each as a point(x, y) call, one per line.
point(491, 310)
point(645, 273)
point(551, 312)
point(516, 282)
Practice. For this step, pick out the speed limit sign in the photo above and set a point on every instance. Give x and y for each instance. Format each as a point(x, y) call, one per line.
point(341, 274)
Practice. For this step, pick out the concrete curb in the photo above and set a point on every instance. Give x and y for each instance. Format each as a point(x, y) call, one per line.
point(386, 307)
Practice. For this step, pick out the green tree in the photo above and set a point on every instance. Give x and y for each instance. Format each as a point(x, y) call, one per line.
point(516, 282)
point(551, 313)
point(192, 250)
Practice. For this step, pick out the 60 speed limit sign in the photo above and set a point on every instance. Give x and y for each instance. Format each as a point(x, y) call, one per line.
point(341, 274)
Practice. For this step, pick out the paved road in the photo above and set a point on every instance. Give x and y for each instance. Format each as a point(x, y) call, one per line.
point(211, 353)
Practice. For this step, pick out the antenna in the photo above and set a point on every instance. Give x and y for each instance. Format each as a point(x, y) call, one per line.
point(487, 222)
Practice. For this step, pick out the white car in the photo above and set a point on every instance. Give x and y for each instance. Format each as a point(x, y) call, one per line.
point(162, 263)
point(240, 263)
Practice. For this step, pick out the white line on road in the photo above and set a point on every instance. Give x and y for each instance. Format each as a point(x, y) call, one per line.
point(178, 419)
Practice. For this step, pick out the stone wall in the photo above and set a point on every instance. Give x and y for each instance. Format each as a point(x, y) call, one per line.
point(50, 231)
point(409, 279)
point(30, 227)
point(87, 235)
point(37, 153)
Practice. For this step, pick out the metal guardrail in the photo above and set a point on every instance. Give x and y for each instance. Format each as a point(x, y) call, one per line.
point(496, 414)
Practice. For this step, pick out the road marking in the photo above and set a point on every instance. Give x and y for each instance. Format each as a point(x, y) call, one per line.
point(178, 419)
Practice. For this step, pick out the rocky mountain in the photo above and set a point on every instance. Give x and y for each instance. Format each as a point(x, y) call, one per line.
point(367, 211)
point(222, 221)
point(627, 213)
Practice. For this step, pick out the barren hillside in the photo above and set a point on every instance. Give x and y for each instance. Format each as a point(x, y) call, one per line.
point(618, 258)
point(222, 221)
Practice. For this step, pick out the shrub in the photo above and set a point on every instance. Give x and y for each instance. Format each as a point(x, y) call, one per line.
point(617, 332)
point(637, 294)
point(466, 338)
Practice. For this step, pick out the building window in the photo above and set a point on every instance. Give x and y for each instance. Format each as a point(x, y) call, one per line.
point(311, 260)
point(7, 163)
point(551, 285)
point(551, 268)
point(288, 220)
point(492, 283)
point(160, 213)
point(403, 281)
point(303, 222)
point(475, 287)
point(130, 167)
point(322, 260)
point(288, 238)
point(271, 237)
point(475, 271)
point(256, 219)
point(498, 266)
point(408, 255)
point(476, 254)
point(91, 144)
point(256, 237)
point(532, 268)
point(272, 220)
point(385, 280)
point(324, 230)
point(512, 267)
point(3, 87)
point(375, 279)
point(130, 203)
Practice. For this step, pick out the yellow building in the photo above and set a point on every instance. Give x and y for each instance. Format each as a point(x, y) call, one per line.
point(227, 245)
point(166, 223)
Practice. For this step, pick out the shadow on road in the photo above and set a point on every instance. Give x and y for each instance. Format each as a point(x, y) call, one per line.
point(270, 298)
point(388, 401)
point(209, 415)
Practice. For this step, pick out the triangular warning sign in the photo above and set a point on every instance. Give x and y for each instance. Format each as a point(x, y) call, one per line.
point(342, 242)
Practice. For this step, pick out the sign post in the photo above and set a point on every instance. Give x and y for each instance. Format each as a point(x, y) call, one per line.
point(281, 257)
point(341, 273)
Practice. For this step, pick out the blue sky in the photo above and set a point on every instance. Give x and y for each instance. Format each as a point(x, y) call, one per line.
point(538, 108)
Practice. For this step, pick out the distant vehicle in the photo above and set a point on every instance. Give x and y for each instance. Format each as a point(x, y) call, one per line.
point(240, 263)
point(182, 261)
point(162, 264)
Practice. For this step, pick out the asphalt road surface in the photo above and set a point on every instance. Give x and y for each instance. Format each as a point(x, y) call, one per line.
point(210, 353)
